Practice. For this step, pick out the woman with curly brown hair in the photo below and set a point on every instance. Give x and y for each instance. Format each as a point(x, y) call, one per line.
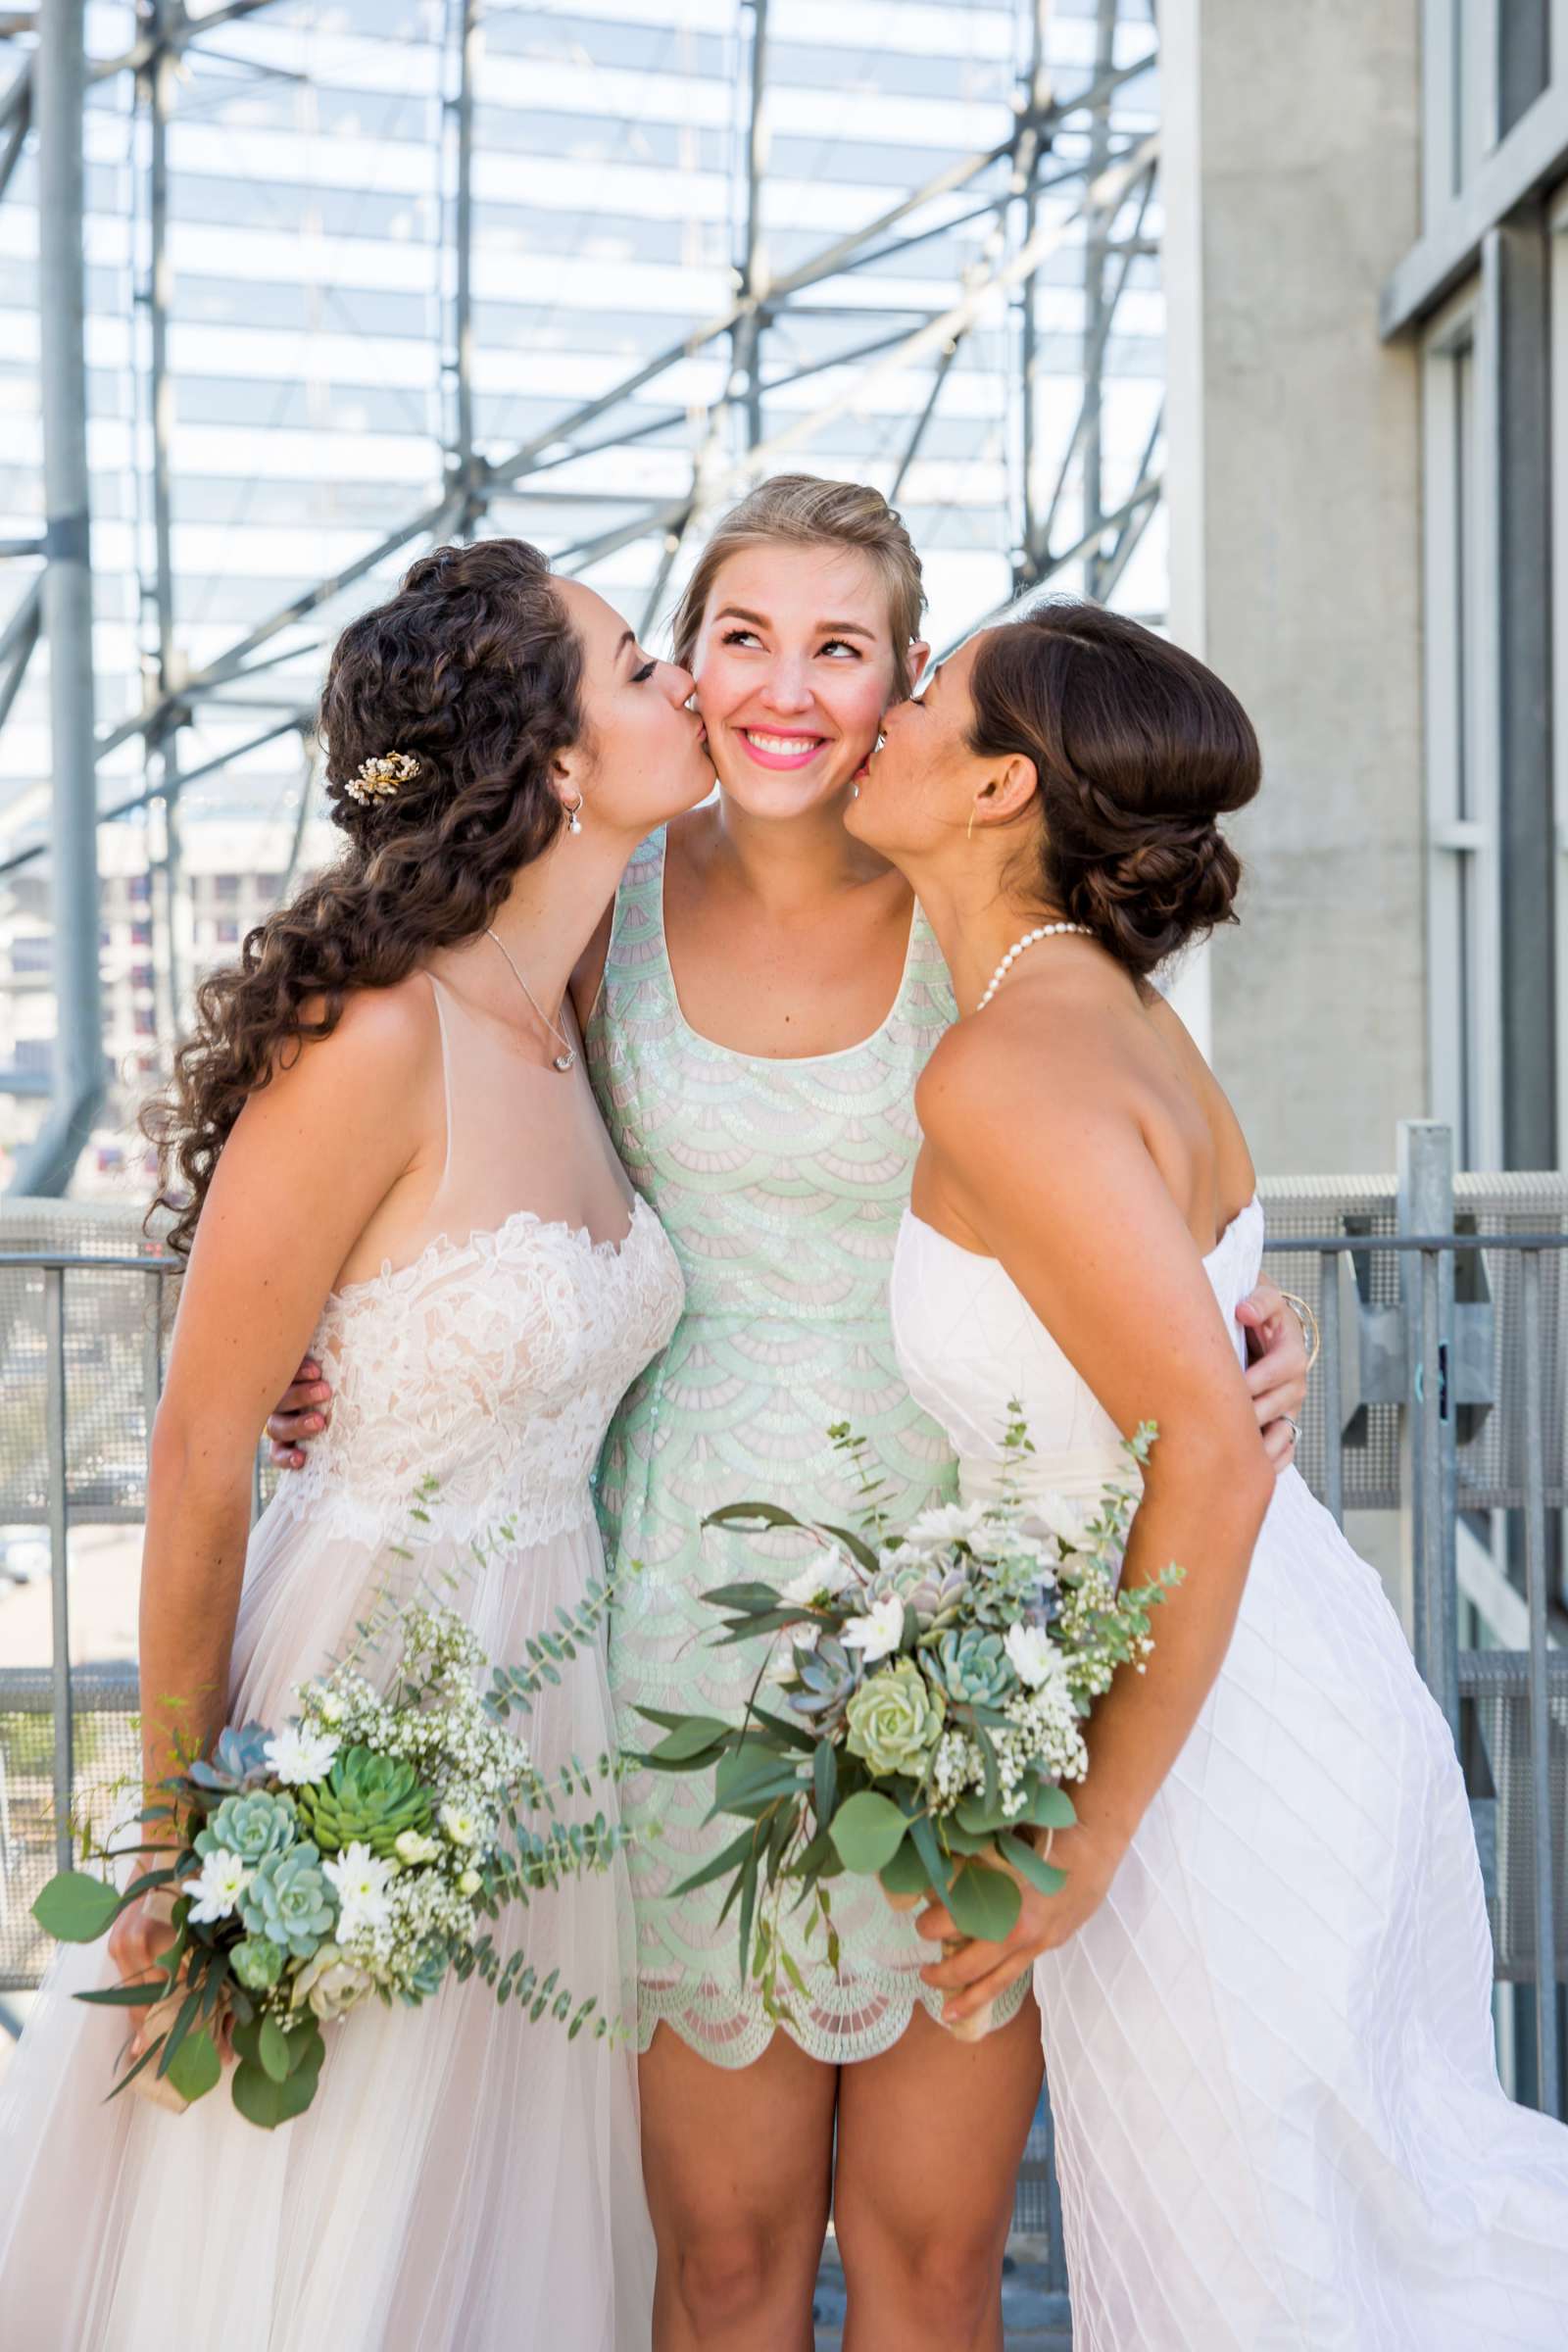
point(394, 1058)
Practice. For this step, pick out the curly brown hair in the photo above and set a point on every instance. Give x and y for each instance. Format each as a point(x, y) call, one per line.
point(475, 671)
point(1138, 748)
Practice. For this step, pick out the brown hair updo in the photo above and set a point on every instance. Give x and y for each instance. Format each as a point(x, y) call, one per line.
point(801, 510)
point(473, 671)
point(1138, 748)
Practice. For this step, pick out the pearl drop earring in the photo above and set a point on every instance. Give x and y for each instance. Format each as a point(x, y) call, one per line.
point(574, 818)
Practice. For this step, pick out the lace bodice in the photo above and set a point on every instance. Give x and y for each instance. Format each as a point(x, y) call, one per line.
point(492, 1366)
point(970, 1343)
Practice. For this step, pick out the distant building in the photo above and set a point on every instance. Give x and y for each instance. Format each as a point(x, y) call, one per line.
point(1367, 266)
point(234, 868)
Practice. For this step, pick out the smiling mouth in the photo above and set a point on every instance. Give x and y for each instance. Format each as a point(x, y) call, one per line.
point(771, 748)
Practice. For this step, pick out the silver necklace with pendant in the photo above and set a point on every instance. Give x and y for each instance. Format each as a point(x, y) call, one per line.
point(567, 1058)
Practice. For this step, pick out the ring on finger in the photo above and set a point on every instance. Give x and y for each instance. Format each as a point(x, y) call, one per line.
point(1293, 1427)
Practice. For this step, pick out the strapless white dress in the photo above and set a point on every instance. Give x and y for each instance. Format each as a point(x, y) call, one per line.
point(1270, 2052)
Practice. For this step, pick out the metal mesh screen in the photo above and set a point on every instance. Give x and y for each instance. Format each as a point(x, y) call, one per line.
point(1495, 1684)
point(113, 1353)
point(108, 1756)
point(1492, 1454)
point(1036, 2201)
point(1302, 1207)
point(1490, 1437)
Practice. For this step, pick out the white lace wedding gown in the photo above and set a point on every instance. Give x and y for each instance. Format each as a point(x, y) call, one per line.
point(466, 2181)
point(1270, 2053)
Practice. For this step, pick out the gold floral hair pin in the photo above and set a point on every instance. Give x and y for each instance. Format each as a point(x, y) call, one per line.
point(378, 779)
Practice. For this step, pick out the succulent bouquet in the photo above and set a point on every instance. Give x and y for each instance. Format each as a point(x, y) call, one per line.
point(932, 1689)
point(359, 1850)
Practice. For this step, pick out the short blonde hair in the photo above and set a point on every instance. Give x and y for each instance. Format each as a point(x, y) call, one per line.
point(800, 509)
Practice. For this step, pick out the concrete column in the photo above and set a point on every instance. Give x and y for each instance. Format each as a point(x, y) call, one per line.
point(1290, 179)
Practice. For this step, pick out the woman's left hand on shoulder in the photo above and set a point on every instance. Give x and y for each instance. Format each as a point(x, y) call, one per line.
point(979, 1972)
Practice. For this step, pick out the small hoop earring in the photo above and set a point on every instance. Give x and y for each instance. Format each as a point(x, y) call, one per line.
point(968, 830)
point(574, 818)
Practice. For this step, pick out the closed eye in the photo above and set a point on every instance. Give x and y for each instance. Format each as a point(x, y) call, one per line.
point(640, 677)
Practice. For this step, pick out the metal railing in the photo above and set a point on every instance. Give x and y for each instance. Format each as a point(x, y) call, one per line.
point(1440, 1401)
point(1438, 1406)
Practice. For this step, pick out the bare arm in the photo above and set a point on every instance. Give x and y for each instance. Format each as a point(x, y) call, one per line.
point(333, 1133)
point(1075, 1208)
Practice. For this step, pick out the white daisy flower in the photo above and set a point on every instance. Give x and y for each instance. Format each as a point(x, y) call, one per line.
point(299, 1757)
point(1036, 1660)
point(827, 1571)
point(943, 1524)
point(879, 1632)
point(223, 1880)
point(360, 1878)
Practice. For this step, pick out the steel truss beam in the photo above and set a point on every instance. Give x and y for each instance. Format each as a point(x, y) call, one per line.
point(64, 605)
point(728, 438)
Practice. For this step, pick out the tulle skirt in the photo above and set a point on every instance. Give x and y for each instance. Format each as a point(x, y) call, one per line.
point(465, 2182)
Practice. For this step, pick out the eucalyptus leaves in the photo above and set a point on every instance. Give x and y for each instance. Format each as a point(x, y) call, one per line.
point(931, 1693)
point(359, 1850)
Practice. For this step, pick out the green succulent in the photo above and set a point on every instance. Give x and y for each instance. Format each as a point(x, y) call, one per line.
point(975, 1669)
point(251, 1826)
point(238, 1760)
point(829, 1677)
point(258, 1962)
point(894, 1718)
point(290, 1902)
point(933, 1593)
point(369, 1797)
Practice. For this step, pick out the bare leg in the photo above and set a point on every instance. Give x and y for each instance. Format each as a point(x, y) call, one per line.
point(738, 2166)
point(930, 2137)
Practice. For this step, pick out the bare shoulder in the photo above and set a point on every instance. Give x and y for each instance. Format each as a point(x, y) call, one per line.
point(1233, 1160)
point(368, 1072)
point(1050, 1056)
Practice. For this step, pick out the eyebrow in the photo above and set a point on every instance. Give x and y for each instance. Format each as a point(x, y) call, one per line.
point(824, 629)
point(627, 637)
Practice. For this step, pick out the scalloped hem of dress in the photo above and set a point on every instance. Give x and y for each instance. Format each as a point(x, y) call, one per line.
point(738, 2038)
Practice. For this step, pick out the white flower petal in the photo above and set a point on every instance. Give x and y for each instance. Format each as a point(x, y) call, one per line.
point(879, 1632)
point(299, 1757)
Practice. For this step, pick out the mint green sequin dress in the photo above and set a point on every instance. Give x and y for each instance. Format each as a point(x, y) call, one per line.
point(781, 1184)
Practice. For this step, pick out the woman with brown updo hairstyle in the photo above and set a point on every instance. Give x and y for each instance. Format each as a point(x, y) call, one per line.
point(1264, 1985)
point(381, 1143)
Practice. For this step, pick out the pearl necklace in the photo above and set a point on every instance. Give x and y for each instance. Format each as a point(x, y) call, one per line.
point(1045, 931)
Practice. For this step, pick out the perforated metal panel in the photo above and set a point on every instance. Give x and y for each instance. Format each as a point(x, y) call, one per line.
point(107, 1754)
point(112, 1362)
point(1491, 1439)
point(1495, 1682)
